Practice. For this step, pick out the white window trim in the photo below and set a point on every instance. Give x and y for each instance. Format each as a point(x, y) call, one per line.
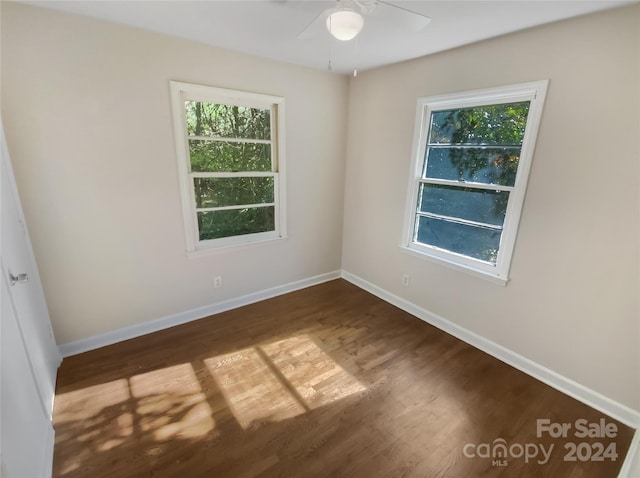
point(186, 91)
point(534, 92)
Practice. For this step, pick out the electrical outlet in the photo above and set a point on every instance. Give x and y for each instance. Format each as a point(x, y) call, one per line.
point(405, 280)
point(217, 282)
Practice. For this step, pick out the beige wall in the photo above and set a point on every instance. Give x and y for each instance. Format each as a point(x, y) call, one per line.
point(87, 115)
point(572, 303)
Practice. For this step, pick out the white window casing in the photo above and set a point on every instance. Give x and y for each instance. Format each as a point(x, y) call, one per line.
point(183, 92)
point(497, 271)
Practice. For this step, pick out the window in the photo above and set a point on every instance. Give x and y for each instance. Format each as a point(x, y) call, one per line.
point(472, 155)
point(230, 159)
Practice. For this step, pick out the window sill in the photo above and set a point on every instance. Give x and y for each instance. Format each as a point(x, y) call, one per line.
point(203, 251)
point(455, 266)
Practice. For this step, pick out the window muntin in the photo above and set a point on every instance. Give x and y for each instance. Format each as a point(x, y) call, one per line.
point(230, 163)
point(472, 157)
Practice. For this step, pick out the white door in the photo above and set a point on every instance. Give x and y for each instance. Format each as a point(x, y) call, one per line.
point(27, 433)
point(29, 354)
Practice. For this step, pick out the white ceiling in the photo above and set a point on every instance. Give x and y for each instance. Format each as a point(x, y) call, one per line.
point(270, 28)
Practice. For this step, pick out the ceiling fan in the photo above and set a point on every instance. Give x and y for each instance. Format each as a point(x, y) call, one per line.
point(347, 18)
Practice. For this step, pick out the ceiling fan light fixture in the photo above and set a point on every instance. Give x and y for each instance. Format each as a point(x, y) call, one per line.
point(344, 25)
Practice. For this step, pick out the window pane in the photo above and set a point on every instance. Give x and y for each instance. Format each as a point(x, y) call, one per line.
point(472, 241)
point(219, 156)
point(235, 222)
point(478, 205)
point(488, 124)
point(219, 192)
point(480, 165)
point(227, 121)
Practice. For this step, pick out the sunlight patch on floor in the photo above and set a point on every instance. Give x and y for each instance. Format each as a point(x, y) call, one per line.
point(317, 378)
point(98, 416)
point(279, 380)
point(170, 403)
point(251, 390)
point(160, 405)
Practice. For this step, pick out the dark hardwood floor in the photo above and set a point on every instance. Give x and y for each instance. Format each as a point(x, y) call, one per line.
point(326, 381)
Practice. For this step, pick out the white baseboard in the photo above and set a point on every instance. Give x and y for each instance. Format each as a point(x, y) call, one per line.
point(132, 331)
point(616, 410)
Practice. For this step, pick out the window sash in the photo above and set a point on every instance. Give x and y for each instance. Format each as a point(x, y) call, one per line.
point(259, 174)
point(273, 130)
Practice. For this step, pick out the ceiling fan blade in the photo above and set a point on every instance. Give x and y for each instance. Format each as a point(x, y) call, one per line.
point(315, 27)
point(401, 16)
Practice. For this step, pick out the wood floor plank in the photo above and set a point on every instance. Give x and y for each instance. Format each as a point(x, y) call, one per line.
point(328, 381)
